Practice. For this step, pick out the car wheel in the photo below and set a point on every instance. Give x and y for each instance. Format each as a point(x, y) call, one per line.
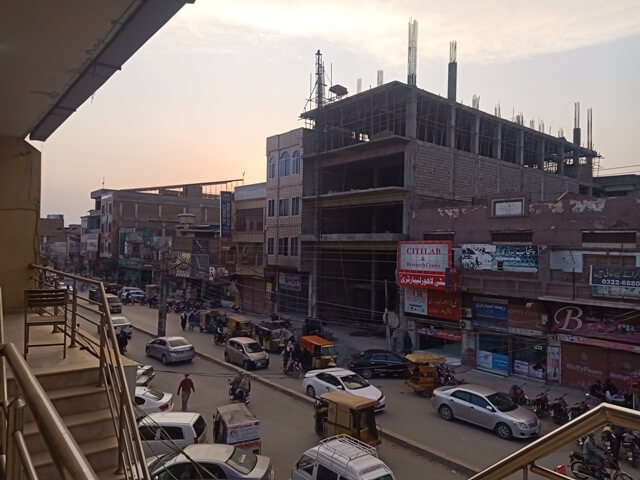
point(445, 412)
point(367, 373)
point(503, 431)
point(311, 391)
point(226, 357)
point(164, 359)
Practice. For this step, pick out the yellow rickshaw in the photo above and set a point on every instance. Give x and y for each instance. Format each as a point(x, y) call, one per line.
point(272, 336)
point(340, 412)
point(423, 372)
point(318, 352)
point(239, 326)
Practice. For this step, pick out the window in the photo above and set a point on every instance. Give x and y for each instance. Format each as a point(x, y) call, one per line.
point(324, 473)
point(139, 401)
point(439, 236)
point(294, 246)
point(284, 164)
point(512, 237)
point(283, 246)
point(270, 246)
point(271, 168)
point(295, 163)
point(271, 207)
point(479, 401)
point(461, 395)
point(148, 433)
point(295, 206)
point(612, 237)
point(171, 433)
point(306, 464)
point(330, 379)
point(283, 207)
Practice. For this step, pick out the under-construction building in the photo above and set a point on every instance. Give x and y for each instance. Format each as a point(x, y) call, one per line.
point(371, 158)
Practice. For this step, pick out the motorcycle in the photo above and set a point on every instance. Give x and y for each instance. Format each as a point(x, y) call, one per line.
point(631, 446)
point(517, 395)
point(234, 395)
point(293, 369)
point(446, 377)
point(541, 404)
point(559, 410)
point(578, 409)
point(220, 338)
point(582, 470)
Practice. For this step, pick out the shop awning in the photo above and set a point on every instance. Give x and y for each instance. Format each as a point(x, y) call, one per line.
point(590, 302)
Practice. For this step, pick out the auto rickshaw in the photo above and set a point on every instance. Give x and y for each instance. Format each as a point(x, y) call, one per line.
point(423, 372)
point(209, 319)
point(239, 326)
point(340, 412)
point(272, 336)
point(234, 424)
point(322, 352)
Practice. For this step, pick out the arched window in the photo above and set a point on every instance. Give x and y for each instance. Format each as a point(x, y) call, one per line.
point(295, 163)
point(284, 164)
point(271, 168)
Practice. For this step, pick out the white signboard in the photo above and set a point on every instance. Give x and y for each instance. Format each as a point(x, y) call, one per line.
point(425, 256)
point(415, 300)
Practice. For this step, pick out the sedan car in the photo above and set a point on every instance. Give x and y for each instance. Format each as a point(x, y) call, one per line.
point(144, 375)
point(133, 296)
point(317, 382)
point(486, 407)
point(147, 400)
point(210, 462)
point(379, 362)
point(170, 349)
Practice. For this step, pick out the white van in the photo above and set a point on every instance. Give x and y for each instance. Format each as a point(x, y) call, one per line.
point(167, 432)
point(341, 458)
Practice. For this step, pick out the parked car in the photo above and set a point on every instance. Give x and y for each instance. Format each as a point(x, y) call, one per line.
point(170, 349)
point(379, 362)
point(133, 295)
point(247, 352)
point(167, 432)
point(317, 382)
point(148, 400)
point(121, 324)
point(211, 462)
point(144, 375)
point(486, 407)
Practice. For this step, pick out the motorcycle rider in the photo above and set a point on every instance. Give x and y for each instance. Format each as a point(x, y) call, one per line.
point(219, 335)
point(592, 457)
point(123, 341)
point(517, 394)
point(608, 435)
point(241, 387)
point(596, 391)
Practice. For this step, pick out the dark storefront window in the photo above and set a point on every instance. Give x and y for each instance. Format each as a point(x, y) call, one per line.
point(493, 353)
point(529, 357)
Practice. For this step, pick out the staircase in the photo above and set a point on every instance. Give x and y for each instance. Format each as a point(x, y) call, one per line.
point(85, 411)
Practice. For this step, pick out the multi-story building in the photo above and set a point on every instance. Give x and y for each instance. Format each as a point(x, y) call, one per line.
point(283, 226)
point(617, 185)
point(59, 245)
point(549, 290)
point(248, 248)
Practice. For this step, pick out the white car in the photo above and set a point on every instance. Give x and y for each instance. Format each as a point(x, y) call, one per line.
point(134, 295)
point(317, 382)
point(147, 400)
point(144, 375)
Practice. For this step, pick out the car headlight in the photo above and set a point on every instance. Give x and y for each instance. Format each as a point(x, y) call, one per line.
point(520, 425)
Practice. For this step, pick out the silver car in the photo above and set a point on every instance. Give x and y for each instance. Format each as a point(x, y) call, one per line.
point(486, 407)
point(170, 349)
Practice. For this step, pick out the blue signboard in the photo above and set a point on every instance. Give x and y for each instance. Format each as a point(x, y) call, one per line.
point(225, 214)
point(500, 362)
point(517, 258)
point(490, 308)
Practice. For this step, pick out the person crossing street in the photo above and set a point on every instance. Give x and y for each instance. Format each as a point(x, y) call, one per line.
point(186, 387)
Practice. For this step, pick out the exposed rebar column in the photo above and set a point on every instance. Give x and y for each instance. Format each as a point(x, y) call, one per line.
point(413, 53)
point(319, 79)
point(576, 123)
point(453, 71)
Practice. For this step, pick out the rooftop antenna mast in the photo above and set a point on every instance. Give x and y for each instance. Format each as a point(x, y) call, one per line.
point(589, 129)
point(319, 80)
point(413, 52)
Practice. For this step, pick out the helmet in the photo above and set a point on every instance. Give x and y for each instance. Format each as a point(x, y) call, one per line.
point(607, 429)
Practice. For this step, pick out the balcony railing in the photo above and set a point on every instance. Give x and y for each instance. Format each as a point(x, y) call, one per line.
point(131, 458)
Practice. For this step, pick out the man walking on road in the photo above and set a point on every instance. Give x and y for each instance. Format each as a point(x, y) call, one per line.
point(186, 386)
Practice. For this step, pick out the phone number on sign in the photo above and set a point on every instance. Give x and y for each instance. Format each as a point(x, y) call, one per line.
point(621, 283)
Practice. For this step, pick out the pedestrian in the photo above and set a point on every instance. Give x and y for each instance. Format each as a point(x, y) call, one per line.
point(186, 386)
point(183, 320)
point(609, 389)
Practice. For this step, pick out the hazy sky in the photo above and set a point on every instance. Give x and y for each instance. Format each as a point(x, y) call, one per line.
point(198, 100)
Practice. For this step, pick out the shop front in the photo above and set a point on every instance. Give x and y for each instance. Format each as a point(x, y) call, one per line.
point(528, 346)
point(492, 339)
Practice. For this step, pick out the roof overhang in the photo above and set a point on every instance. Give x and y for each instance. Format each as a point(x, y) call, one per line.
point(55, 55)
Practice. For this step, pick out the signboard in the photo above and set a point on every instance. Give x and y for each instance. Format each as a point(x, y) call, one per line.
point(444, 305)
point(492, 361)
point(525, 319)
point(424, 264)
point(621, 282)
point(586, 321)
point(502, 258)
point(200, 265)
point(431, 331)
point(289, 281)
point(91, 240)
point(225, 214)
point(490, 313)
point(218, 272)
point(415, 301)
point(183, 264)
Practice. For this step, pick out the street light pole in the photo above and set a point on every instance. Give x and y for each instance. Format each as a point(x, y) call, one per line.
point(164, 287)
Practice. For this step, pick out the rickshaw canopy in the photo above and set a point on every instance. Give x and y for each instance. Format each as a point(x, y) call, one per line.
point(425, 358)
point(349, 400)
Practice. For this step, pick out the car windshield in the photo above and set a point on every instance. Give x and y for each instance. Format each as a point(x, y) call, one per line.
point(155, 394)
point(354, 382)
point(328, 350)
point(119, 320)
point(253, 347)
point(113, 300)
point(502, 402)
point(161, 460)
point(242, 461)
point(178, 342)
point(385, 477)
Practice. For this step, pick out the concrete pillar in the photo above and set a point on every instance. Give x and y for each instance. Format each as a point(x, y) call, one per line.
point(520, 147)
point(372, 305)
point(313, 285)
point(412, 113)
point(540, 145)
point(475, 142)
point(560, 156)
point(451, 128)
point(497, 142)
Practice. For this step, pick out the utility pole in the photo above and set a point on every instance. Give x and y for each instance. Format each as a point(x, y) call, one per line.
point(164, 287)
point(386, 315)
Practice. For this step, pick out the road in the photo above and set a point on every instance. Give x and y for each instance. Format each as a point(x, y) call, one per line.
point(407, 413)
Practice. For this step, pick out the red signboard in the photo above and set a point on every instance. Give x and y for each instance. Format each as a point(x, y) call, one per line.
point(444, 305)
point(424, 264)
point(584, 364)
point(586, 321)
point(519, 316)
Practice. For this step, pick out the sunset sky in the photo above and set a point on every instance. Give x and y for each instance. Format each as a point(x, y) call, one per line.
point(198, 100)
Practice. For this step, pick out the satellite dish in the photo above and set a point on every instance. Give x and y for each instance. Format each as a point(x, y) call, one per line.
point(391, 319)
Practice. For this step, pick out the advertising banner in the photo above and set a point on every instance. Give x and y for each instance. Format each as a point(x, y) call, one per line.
point(424, 264)
point(444, 305)
point(525, 320)
point(200, 266)
point(620, 282)
point(492, 361)
point(415, 301)
point(504, 258)
point(612, 324)
point(289, 281)
point(490, 313)
point(183, 264)
point(226, 199)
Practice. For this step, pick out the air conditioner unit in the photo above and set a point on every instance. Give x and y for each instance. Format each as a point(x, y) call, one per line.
point(465, 325)
point(466, 312)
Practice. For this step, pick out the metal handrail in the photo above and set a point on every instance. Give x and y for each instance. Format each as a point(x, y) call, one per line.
point(131, 458)
point(525, 459)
